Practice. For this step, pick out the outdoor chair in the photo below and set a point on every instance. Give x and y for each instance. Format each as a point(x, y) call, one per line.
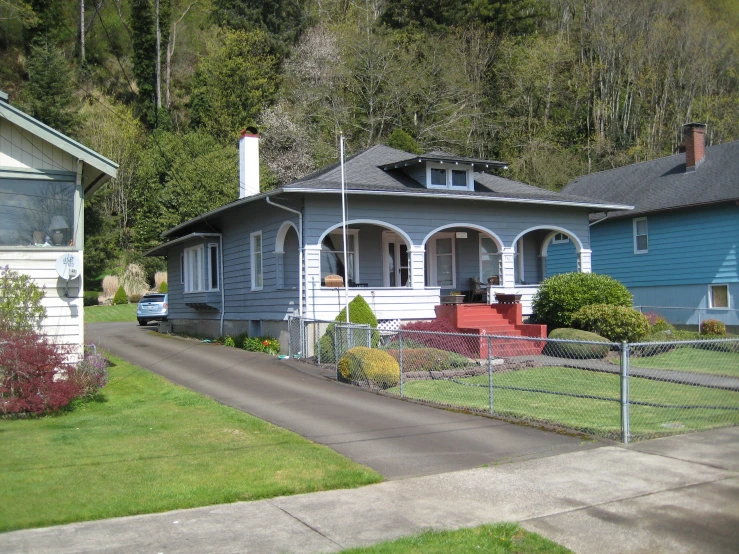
point(479, 291)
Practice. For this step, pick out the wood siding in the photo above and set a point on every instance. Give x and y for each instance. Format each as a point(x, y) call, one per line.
point(22, 149)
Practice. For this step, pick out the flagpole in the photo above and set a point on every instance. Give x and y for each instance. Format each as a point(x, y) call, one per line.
point(343, 227)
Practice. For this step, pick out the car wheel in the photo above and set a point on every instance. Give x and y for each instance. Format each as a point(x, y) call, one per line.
point(142, 322)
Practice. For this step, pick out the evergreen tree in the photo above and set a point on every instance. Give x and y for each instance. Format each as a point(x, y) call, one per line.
point(144, 58)
point(49, 94)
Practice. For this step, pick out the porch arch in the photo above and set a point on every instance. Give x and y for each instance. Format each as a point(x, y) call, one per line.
point(281, 234)
point(554, 230)
point(377, 222)
point(479, 228)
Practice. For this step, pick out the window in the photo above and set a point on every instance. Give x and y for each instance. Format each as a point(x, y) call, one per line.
point(200, 268)
point(332, 255)
point(718, 296)
point(257, 269)
point(641, 239)
point(489, 259)
point(455, 177)
point(37, 213)
point(441, 255)
point(560, 238)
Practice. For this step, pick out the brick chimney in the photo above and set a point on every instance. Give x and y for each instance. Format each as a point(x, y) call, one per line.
point(694, 135)
point(248, 163)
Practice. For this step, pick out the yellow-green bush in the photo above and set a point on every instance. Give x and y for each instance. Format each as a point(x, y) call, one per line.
point(376, 366)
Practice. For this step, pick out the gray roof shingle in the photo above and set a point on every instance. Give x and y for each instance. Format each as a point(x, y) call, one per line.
point(663, 184)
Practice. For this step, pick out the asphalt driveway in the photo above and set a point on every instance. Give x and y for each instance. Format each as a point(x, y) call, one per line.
point(396, 438)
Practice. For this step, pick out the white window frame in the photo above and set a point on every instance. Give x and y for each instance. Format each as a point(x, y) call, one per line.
point(470, 185)
point(209, 269)
point(498, 254)
point(636, 221)
point(388, 238)
point(182, 268)
point(252, 256)
point(710, 296)
point(189, 287)
point(433, 269)
point(339, 234)
point(563, 239)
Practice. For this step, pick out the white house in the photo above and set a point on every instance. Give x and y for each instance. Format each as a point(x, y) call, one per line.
point(44, 179)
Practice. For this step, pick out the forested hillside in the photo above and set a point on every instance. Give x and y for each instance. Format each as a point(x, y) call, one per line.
point(555, 87)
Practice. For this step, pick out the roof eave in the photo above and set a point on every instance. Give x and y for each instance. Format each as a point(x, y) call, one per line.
point(162, 248)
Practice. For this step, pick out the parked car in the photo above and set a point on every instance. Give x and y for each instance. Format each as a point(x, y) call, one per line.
point(152, 307)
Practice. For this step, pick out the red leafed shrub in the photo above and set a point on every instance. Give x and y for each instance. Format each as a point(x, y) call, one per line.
point(713, 328)
point(429, 336)
point(28, 365)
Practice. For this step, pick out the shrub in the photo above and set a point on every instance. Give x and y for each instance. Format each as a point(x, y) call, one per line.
point(163, 288)
point(376, 366)
point(463, 345)
point(29, 364)
point(577, 351)
point(120, 297)
point(228, 341)
point(428, 359)
point(91, 374)
point(562, 295)
point(713, 328)
point(20, 301)
point(359, 312)
point(110, 286)
point(267, 345)
point(134, 298)
point(133, 280)
point(91, 298)
point(616, 323)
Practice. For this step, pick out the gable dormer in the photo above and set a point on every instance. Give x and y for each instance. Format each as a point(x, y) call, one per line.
point(438, 170)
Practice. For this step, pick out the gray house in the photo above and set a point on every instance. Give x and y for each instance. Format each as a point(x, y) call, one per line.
point(418, 228)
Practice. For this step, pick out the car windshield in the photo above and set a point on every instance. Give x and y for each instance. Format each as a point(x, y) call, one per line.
point(153, 298)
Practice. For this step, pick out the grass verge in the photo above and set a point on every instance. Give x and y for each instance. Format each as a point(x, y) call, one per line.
point(689, 408)
point(106, 314)
point(502, 538)
point(151, 446)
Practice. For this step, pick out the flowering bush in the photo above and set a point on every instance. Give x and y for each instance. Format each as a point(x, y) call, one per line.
point(29, 364)
point(91, 374)
point(20, 301)
point(262, 344)
point(713, 328)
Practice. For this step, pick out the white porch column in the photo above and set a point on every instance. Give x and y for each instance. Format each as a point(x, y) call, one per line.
point(584, 264)
point(312, 277)
point(508, 271)
point(416, 257)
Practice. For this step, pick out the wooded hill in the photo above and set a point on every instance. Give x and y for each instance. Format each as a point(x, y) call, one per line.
point(557, 88)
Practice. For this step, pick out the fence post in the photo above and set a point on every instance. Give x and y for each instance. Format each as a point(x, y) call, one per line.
point(490, 374)
point(625, 431)
point(400, 360)
point(336, 349)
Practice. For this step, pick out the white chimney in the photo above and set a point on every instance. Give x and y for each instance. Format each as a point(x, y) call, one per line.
point(248, 163)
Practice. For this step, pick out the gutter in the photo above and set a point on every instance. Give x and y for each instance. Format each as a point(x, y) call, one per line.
point(300, 251)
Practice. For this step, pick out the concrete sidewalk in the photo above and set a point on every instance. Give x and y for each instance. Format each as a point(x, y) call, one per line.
point(679, 494)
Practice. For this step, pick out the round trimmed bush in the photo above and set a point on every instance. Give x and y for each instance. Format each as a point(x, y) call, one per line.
point(576, 351)
point(120, 297)
point(713, 328)
point(359, 312)
point(376, 366)
point(616, 323)
point(562, 295)
point(164, 287)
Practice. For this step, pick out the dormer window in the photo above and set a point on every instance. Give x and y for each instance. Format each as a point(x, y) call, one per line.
point(442, 176)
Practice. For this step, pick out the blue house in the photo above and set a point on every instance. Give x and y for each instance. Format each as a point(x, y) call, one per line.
point(677, 250)
point(418, 228)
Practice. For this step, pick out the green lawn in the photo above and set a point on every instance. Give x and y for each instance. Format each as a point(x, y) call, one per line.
point(503, 538)
point(695, 360)
point(592, 416)
point(104, 314)
point(152, 446)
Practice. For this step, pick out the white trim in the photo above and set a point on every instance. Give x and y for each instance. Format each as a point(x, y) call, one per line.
point(282, 234)
point(182, 269)
point(338, 233)
point(194, 266)
point(389, 226)
point(521, 265)
point(555, 229)
point(478, 228)
point(433, 268)
point(209, 269)
point(635, 221)
point(448, 168)
point(388, 238)
point(710, 296)
point(564, 239)
point(498, 254)
point(252, 264)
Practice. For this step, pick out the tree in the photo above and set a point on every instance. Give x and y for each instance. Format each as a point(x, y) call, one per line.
point(145, 58)
point(49, 94)
point(235, 81)
point(403, 141)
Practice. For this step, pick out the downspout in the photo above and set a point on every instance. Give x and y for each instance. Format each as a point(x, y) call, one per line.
point(300, 250)
point(223, 282)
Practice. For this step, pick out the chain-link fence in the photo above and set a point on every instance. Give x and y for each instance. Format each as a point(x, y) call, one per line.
point(691, 318)
point(618, 391)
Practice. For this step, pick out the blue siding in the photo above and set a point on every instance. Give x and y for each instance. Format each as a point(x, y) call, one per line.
point(686, 247)
point(561, 258)
point(665, 300)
